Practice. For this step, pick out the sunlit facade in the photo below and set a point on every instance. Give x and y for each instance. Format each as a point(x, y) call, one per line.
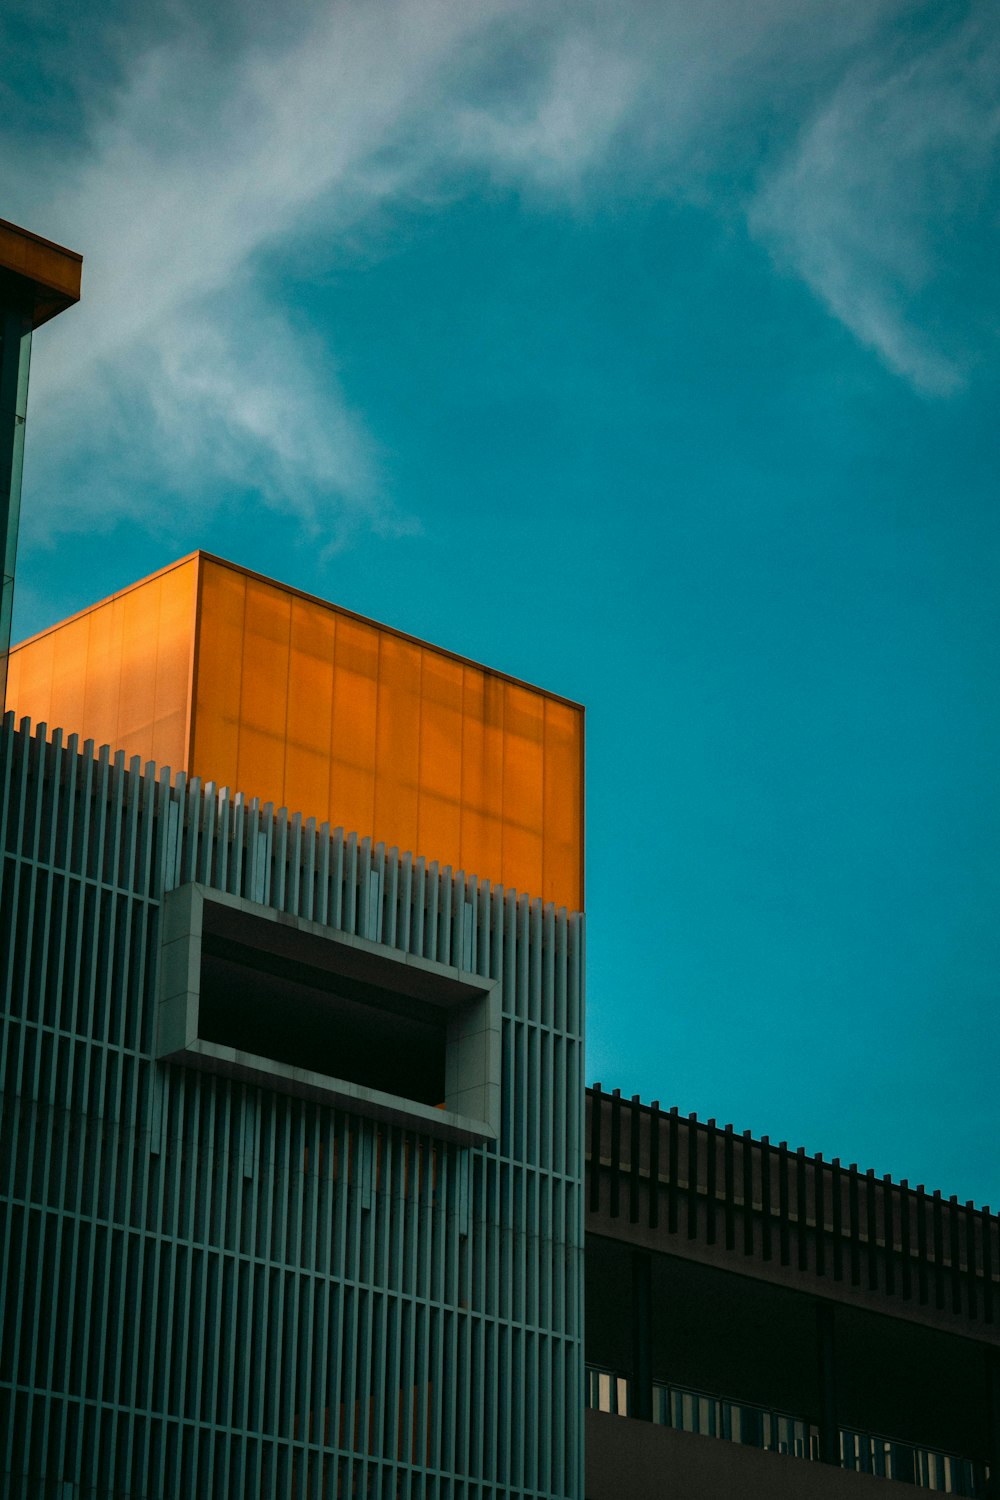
point(217, 672)
point(291, 1188)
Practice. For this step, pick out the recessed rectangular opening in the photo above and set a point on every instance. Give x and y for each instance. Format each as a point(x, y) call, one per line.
point(311, 1018)
point(289, 1004)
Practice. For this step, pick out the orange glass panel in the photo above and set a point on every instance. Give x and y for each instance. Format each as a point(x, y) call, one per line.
point(102, 673)
point(351, 723)
point(68, 684)
point(137, 684)
point(523, 785)
point(563, 790)
point(397, 743)
point(215, 728)
point(353, 743)
point(310, 708)
point(482, 772)
point(29, 680)
point(440, 823)
point(174, 650)
point(291, 700)
point(118, 673)
point(264, 691)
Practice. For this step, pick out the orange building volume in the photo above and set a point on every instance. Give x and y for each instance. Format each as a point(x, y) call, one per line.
point(213, 670)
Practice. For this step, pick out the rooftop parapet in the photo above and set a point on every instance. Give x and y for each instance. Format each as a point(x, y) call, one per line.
point(702, 1191)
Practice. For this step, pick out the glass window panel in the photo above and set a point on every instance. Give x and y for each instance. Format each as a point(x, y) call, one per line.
point(440, 774)
point(397, 744)
point(523, 781)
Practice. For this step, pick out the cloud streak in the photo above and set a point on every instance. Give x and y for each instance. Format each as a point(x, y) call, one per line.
point(870, 206)
point(209, 154)
point(191, 172)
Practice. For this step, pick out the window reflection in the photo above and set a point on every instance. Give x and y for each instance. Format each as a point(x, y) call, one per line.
point(607, 1391)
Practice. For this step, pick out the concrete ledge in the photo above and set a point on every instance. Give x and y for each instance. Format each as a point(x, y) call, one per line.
point(643, 1461)
point(210, 1057)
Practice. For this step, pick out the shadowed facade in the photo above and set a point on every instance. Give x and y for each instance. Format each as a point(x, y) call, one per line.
point(765, 1323)
point(37, 281)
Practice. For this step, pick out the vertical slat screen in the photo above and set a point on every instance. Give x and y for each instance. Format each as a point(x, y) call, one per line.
point(222, 1289)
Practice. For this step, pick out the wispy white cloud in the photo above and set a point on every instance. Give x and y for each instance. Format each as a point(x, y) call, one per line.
point(851, 149)
point(552, 133)
point(188, 174)
point(870, 206)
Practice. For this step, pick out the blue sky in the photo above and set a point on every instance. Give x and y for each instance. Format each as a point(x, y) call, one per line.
point(645, 351)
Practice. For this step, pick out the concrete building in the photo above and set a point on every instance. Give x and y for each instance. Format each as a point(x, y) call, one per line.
point(291, 1191)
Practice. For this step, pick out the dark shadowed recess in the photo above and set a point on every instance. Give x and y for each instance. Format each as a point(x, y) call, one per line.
point(273, 1005)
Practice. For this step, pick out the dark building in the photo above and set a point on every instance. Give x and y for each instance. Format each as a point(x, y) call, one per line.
point(765, 1323)
point(37, 281)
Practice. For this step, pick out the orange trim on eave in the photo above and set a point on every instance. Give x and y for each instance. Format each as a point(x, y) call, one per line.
point(39, 239)
point(46, 277)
